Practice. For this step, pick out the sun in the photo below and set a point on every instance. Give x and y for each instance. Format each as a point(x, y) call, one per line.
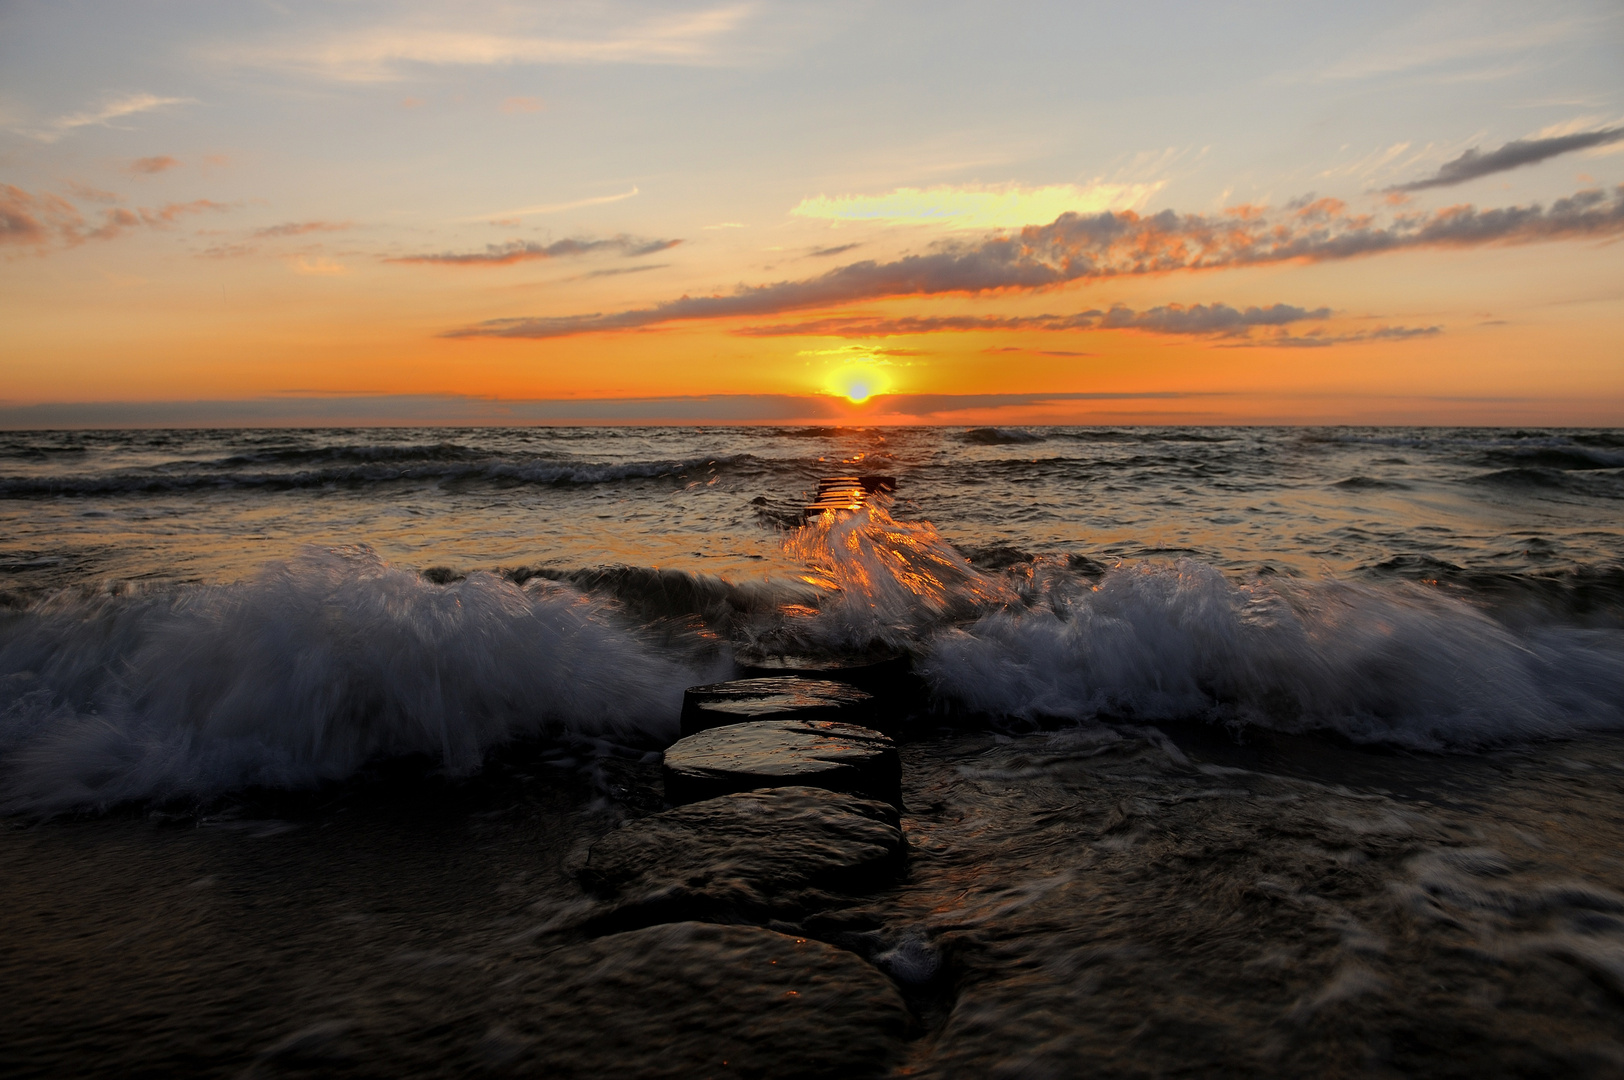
point(857, 382)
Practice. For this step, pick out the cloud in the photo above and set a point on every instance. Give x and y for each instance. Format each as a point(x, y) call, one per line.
point(149, 166)
point(115, 109)
point(319, 268)
point(1513, 155)
point(35, 220)
point(554, 208)
point(93, 194)
point(515, 251)
point(616, 271)
point(1431, 43)
point(976, 207)
point(301, 228)
point(522, 105)
point(1076, 247)
point(1317, 340)
point(866, 326)
point(388, 53)
point(1198, 320)
point(38, 220)
point(1204, 319)
point(838, 249)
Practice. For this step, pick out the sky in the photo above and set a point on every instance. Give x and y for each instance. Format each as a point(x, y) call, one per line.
point(480, 212)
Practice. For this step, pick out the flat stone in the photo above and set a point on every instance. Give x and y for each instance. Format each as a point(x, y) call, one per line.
point(754, 853)
point(774, 698)
point(783, 753)
point(696, 999)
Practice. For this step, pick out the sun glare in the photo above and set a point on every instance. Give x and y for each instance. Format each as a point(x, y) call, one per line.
point(857, 382)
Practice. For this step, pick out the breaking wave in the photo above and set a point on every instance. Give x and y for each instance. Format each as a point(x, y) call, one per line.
point(305, 673)
point(1390, 662)
point(351, 468)
point(316, 666)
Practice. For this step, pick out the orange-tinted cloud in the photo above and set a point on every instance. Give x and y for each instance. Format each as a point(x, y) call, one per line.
point(525, 251)
point(36, 219)
point(522, 105)
point(301, 228)
point(1077, 247)
point(40, 219)
point(149, 166)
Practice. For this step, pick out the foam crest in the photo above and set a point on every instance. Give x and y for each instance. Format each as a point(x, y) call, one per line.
point(304, 673)
point(1390, 662)
point(887, 580)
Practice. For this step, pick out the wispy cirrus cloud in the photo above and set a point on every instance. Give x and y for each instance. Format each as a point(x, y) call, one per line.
point(1436, 42)
point(1513, 155)
point(554, 208)
point(389, 52)
point(515, 251)
point(977, 206)
point(114, 109)
point(151, 166)
point(1077, 247)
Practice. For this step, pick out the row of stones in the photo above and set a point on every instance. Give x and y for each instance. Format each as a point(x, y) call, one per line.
point(780, 810)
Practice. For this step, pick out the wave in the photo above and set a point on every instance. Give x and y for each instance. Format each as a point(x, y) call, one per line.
point(514, 473)
point(1370, 483)
point(1559, 457)
point(305, 673)
point(316, 666)
point(1393, 663)
point(347, 453)
point(997, 436)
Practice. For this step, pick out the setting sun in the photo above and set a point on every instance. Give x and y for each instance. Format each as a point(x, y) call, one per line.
point(859, 382)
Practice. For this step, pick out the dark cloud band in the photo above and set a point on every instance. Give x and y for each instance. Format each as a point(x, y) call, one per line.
point(1513, 155)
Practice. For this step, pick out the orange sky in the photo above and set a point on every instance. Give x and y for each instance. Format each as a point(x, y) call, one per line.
point(370, 204)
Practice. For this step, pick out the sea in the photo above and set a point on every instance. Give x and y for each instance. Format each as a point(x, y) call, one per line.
point(1226, 750)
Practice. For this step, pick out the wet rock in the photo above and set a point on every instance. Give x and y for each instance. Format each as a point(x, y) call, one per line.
point(783, 753)
point(754, 853)
point(781, 698)
point(696, 999)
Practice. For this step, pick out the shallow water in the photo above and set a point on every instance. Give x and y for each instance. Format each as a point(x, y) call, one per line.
point(1261, 751)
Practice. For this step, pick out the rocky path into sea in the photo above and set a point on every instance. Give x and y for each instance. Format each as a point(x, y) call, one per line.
point(800, 888)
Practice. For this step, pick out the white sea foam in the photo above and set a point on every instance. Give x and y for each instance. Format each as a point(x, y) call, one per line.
point(1394, 662)
point(318, 665)
point(303, 674)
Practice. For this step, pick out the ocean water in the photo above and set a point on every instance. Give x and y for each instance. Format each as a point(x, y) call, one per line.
point(1233, 751)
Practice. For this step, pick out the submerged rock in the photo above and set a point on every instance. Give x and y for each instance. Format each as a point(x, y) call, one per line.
point(753, 852)
point(696, 999)
point(783, 753)
point(781, 698)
